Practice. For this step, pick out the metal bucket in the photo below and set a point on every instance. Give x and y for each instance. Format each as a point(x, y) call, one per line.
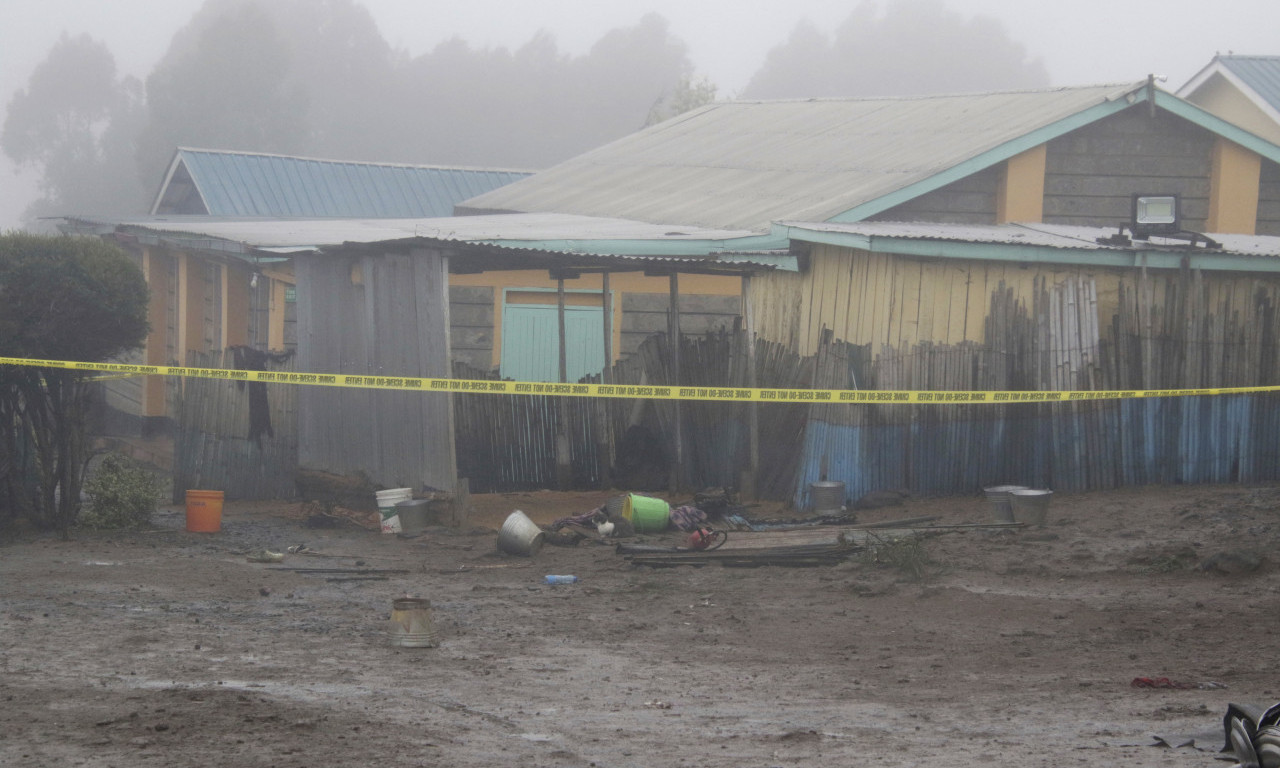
point(1001, 506)
point(1030, 506)
point(827, 497)
point(414, 515)
point(410, 625)
point(520, 535)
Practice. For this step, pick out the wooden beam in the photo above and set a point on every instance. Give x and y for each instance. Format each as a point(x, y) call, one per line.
point(564, 463)
point(604, 438)
point(747, 485)
point(673, 336)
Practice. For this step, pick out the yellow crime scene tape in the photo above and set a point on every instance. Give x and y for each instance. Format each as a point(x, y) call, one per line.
point(631, 391)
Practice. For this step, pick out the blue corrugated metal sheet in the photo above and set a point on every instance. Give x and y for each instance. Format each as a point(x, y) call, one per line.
point(1187, 440)
point(250, 184)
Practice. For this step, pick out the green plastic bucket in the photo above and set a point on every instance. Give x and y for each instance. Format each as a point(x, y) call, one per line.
point(647, 515)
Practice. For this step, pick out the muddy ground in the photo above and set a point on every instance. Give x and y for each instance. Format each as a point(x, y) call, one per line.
point(1012, 648)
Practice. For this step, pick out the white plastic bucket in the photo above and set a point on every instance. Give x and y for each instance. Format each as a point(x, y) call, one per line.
point(387, 501)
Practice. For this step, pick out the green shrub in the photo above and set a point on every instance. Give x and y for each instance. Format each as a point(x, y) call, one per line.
point(905, 554)
point(122, 494)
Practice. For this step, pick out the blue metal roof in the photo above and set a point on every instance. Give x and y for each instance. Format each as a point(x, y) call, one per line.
point(222, 183)
point(1259, 73)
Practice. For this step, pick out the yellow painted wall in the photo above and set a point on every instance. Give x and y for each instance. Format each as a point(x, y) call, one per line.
point(620, 283)
point(1221, 98)
point(282, 279)
point(1233, 189)
point(153, 387)
point(235, 305)
point(191, 296)
point(1020, 196)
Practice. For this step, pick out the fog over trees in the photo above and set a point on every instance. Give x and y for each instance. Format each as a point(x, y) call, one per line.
point(910, 49)
point(316, 78)
point(76, 122)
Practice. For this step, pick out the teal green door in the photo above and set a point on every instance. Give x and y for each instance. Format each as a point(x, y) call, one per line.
point(531, 342)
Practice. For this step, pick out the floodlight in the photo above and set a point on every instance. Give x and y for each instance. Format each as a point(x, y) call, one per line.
point(1155, 215)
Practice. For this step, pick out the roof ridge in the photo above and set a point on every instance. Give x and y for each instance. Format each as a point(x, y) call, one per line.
point(926, 97)
point(333, 161)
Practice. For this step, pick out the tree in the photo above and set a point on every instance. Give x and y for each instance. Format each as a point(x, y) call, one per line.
point(689, 94)
point(76, 122)
point(341, 61)
point(315, 77)
point(536, 105)
point(914, 48)
point(61, 298)
point(224, 84)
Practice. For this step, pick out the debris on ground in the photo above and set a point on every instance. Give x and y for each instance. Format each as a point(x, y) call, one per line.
point(1164, 682)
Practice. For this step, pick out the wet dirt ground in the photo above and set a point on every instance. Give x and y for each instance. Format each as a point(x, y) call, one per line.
point(1015, 647)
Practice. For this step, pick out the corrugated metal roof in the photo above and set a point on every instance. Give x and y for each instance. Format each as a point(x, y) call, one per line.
point(1040, 235)
point(1260, 73)
point(1040, 242)
point(222, 183)
point(552, 233)
point(746, 164)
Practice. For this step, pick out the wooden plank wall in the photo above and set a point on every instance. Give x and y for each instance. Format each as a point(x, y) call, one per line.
point(1000, 327)
point(881, 299)
point(379, 315)
point(212, 450)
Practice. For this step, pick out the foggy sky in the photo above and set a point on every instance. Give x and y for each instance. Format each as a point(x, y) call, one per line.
point(1080, 42)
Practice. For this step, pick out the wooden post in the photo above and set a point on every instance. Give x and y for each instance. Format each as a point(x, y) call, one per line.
point(604, 454)
point(673, 337)
point(747, 485)
point(564, 462)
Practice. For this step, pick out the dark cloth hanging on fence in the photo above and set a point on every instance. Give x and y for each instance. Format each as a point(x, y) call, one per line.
point(250, 359)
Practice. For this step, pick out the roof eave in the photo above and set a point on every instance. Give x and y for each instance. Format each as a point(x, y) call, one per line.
point(1229, 131)
point(992, 156)
point(648, 247)
point(1039, 254)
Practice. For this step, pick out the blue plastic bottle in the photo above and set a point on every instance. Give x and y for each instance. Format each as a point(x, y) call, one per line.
point(554, 579)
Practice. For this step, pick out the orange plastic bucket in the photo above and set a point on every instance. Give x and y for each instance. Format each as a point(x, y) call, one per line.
point(204, 511)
